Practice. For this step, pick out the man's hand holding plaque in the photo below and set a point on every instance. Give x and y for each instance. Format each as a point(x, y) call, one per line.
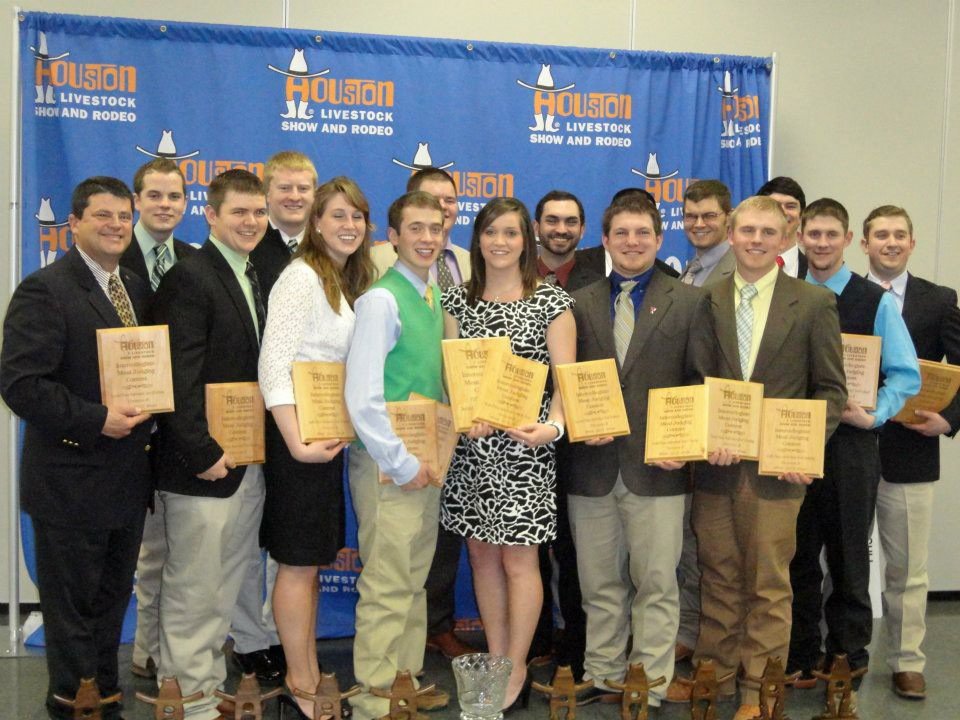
point(426, 428)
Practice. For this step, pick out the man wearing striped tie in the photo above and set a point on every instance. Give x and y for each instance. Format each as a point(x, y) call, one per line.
point(626, 516)
point(160, 197)
point(766, 327)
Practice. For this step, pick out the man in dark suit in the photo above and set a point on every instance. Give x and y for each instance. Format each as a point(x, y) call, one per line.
point(910, 453)
point(787, 192)
point(211, 301)
point(159, 195)
point(290, 181)
point(837, 513)
point(85, 473)
point(626, 516)
point(766, 327)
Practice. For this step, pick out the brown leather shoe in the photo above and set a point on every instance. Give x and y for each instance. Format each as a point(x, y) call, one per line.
point(682, 652)
point(433, 700)
point(678, 692)
point(910, 685)
point(450, 645)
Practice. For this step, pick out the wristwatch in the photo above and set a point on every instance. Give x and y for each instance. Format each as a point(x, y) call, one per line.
point(556, 426)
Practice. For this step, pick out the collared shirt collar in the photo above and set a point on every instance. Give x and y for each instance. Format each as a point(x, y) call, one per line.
point(710, 258)
point(836, 282)
point(147, 243)
point(762, 285)
point(236, 261)
point(418, 284)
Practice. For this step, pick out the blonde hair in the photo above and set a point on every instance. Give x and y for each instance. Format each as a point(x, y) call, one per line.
point(287, 160)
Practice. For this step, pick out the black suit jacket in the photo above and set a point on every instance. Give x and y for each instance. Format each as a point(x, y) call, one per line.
point(800, 356)
point(933, 320)
point(270, 257)
point(659, 355)
point(591, 266)
point(133, 260)
point(70, 473)
point(212, 340)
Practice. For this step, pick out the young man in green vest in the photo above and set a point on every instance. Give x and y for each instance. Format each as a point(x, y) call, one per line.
point(395, 351)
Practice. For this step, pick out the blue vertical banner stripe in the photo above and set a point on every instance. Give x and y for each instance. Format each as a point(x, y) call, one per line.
point(104, 95)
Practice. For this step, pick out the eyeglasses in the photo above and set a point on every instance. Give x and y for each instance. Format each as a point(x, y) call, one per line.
point(693, 218)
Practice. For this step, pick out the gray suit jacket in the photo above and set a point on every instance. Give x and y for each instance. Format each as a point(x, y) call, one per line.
point(659, 355)
point(800, 356)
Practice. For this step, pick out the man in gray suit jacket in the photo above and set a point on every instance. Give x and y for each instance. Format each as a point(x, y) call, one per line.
point(706, 210)
point(788, 339)
point(627, 516)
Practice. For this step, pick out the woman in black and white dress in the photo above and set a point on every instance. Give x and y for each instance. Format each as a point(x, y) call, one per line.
point(311, 318)
point(500, 489)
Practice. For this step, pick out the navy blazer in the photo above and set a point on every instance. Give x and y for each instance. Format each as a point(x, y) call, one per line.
point(70, 473)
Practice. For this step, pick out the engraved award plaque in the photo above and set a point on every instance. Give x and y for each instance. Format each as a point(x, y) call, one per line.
point(592, 400)
point(792, 438)
point(511, 391)
point(321, 410)
point(464, 362)
point(939, 385)
point(447, 437)
point(861, 365)
point(135, 367)
point(235, 417)
point(733, 420)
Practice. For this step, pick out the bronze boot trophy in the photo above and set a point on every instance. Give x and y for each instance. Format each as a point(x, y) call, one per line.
point(403, 697)
point(247, 702)
point(704, 689)
point(636, 693)
point(327, 697)
point(773, 693)
point(169, 702)
point(839, 700)
point(88, 703)
point(563, 693)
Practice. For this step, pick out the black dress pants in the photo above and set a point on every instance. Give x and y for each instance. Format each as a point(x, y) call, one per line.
point(85, 580)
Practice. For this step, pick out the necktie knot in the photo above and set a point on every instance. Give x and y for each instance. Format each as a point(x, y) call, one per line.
point(428, 297)
point(886, 285)
point(627, 285)
point(748, 292)
point(293, 244)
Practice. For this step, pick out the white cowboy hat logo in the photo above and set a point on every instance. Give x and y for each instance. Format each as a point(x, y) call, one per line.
point(653, 169)
point(421, 159)
point(166, 148)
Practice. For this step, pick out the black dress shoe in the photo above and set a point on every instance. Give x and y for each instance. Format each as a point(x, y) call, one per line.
point(278, 657)
point(260, 663)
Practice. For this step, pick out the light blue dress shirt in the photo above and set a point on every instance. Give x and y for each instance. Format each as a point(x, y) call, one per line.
point(898, 357)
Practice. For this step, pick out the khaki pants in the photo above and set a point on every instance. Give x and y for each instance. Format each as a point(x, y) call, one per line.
point(397, 535)
point(210, 543)
point(904, 513)
point(628, 547)
point(745, 545)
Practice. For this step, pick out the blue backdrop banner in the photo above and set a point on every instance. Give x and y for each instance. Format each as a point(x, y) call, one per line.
point(101, 96)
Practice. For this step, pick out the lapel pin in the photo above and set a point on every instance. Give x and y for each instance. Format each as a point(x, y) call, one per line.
point(653, 310)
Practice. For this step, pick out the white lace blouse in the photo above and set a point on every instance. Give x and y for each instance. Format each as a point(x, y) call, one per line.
point(301, 325)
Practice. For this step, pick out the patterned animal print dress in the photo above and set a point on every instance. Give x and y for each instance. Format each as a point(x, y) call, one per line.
point(498, 490)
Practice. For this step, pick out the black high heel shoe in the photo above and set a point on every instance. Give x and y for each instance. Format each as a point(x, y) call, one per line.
point(288, 703)
point(522, 699)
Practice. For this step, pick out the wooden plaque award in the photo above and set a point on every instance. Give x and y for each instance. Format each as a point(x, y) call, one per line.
point(464, 363)
point(135, 367)
point(793, 436)
point(939, 385)
point(689, 422)
point(235, 418)
point(861, 365)
point(592, 400)
point(321, 410)
point(415, 422)
point(447, 437)
point(511, 391)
